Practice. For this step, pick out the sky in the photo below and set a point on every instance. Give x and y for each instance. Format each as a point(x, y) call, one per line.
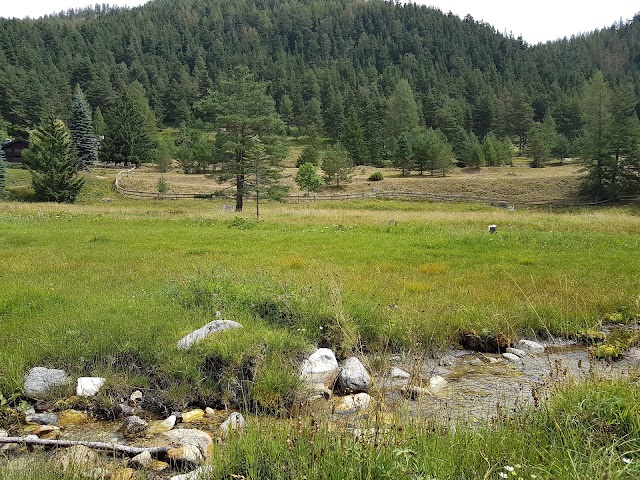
point(537, 21)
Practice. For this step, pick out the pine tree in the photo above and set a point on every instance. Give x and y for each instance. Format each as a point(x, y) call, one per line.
point(52, 161)
point(402, 112)
point(99, 126)
point(244, 113)
point(129, 136)
point(83, 137)
point(337, 165)
point(403, 155)
point(538, 145)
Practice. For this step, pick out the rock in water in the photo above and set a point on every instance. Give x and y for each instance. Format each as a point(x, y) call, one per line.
point(512, 358)
point(43, 418)
point(191, 436)
point(399, 373)
point(234, 423)
point(161, 426)
point(89, 386)
point(188, 454)
point(354, 376)
point(39, 380)
point(531, 346)
point(133, 426)
point(517, 352)
point(72, 417)
point(193, 415)
point(437, 382)
point(200, 334)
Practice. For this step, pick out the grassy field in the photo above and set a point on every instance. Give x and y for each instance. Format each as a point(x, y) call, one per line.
point(108, 287)
point(98, 287)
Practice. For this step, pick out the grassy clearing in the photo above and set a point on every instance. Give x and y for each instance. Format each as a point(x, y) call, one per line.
point(108, 288)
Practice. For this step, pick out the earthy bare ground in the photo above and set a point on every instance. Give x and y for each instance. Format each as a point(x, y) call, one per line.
point(517, 183)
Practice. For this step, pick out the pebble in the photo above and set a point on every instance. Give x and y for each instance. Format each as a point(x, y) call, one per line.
point(531, 346)
point(516, 351)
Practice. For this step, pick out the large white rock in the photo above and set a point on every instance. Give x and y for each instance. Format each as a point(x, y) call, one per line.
point(39, 380)
point(191, 436)
point(210, 328)
point(234, 423)
point(89, 386)
point(530, 346)
point(511, 357)
point(354, 376)
point(322, 360)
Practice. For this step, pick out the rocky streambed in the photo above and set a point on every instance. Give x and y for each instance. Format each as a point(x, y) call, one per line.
point(458, 386)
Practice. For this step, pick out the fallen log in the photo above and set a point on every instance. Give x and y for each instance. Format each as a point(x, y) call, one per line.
point(110, 447)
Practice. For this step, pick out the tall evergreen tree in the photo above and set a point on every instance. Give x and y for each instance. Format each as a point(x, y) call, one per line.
point(83, 137)
point(52, 161)
point(538, 145)
point(129, 136)
point(337, 165)
point(244, 113)
point(402, 112)
point(624, 172)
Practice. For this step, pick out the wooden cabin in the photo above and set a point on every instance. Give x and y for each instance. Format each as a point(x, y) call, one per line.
point(13, 150)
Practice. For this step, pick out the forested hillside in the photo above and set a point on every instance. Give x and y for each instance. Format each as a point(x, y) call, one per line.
point(331, 66)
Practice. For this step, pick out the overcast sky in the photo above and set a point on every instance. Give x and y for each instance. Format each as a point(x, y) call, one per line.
point(537, 21)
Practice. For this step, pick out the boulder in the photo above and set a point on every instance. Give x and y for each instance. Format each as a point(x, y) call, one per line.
point(234, 423)
point(437, 382)
point(193, 415)
point(42, 418)
point(530, 346)
point(359, 401)
point(511, 357)
point(211, 328)
point(133, 426)
point(39, 380)
point(354, 376)
point(89, 386)
point(517, 352)
point(162, 426)
point(197, 474)
point(186, 454)
point(399, 373)
point(142, 460)
point(191, 436)
point(320, 368)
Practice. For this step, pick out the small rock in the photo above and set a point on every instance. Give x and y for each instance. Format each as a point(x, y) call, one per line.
point(530, 346)
point(89, 386)
point(133, 426)
point(135, 398)
point(142, 460)
point(517, 352)
point(39, 380)
point(193, 415)
point(209, 412)
point(437, 382)
point(512, 358)
point(78, 456)
point(322, 360)
point(3, 433)
point(189, 454)
point(200, 334)
point(191, 436)
point(42, 418)
point(354, 376)
point(399, 373)
point(162, 426)
point(122, 474)
point(72, 417)
point(126, 409)
point(475, 362)
point(197, 474)
point(413, 391)
point(234, 423)
point(359, 401)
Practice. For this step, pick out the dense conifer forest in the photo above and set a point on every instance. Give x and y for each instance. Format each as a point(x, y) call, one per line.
point(332, 66)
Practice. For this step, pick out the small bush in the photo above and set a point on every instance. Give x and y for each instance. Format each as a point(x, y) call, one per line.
point(376, 177)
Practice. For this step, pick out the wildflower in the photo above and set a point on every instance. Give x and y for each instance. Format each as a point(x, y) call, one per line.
point(627, 460)
point(509, 468)
point(503, 475)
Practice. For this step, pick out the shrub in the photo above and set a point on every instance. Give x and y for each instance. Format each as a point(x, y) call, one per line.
point(376, 177)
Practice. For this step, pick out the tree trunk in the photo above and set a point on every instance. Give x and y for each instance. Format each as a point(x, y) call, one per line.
point(239, 192)
point(109, 447)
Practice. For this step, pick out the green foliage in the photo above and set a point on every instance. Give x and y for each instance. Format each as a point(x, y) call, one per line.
point(431, 151)
point(83, 136)
point(308, 179)
point(194, 150)
point(337, 165)
point(162, 186)
point(248, 141)
point(538, 145)
point(130, 129)
point(403, 154)
point(376, 177)
point(3, 174)
point(52, 162)
point(310, 154)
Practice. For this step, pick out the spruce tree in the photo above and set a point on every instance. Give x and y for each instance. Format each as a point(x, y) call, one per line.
point(52, 161)
point(83, 137)
point(337, 165)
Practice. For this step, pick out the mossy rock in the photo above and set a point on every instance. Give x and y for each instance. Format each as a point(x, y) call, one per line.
point(485, 341)
point(590, 337)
